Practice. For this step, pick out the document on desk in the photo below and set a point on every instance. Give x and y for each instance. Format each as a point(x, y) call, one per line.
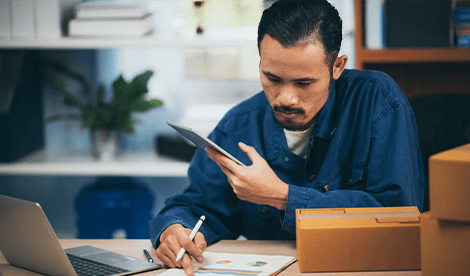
point(227, 264)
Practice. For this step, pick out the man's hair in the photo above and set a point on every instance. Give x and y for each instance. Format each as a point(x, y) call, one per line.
point(294, 22)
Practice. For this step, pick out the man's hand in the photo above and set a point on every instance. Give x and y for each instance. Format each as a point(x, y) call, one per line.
point(171, 241)
point(256, 183)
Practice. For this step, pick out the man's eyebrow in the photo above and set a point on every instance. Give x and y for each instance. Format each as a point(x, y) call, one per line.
point(276, 77)
point(305, 79)
point(270, 75)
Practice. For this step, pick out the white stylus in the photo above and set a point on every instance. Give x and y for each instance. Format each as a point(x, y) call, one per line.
point(191, 236)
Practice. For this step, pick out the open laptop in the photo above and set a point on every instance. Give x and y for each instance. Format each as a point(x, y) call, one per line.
point(27, 240)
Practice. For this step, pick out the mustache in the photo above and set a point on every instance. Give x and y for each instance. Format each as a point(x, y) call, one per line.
point(288, 109)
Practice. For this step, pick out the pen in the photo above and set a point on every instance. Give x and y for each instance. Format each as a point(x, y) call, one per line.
point(148, 256)
point(191, 236)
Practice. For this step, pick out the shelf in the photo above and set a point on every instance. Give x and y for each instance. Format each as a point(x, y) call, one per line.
point(71, 163)
point(103, 43)
point(423, 55)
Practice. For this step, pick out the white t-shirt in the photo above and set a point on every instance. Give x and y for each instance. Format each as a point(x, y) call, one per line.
point(297, 141)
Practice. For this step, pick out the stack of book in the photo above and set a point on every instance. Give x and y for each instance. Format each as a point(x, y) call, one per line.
point(110, 19)
point(462, 26)
point(445, 229)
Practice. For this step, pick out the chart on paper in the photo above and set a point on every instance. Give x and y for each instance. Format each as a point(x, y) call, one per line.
point(226, 264)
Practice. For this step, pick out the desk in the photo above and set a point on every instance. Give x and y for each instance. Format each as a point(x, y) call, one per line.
point(134, 248)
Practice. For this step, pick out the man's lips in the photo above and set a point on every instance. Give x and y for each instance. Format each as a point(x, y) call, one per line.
point(287, 114)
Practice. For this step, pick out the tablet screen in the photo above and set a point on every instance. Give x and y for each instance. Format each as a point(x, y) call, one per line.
point(201, 141)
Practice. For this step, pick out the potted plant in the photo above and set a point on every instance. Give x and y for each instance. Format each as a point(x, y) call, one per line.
point(106, 119)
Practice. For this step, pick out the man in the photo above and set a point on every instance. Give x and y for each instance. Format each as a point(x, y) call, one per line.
point(318, 136)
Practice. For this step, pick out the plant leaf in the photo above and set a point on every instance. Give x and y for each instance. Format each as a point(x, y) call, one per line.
point(141, 105)
point(126, 125)
point(139, 85)
point(60, 68)
point(100, 94)
point(155, 102)
point(70, 100)
point(59, 84)
point(120, 88)
point(89, 117)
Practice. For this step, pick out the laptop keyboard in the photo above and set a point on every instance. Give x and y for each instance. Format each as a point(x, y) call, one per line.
point(85, 267)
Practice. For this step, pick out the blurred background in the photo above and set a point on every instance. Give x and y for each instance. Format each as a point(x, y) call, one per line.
point(197, 85)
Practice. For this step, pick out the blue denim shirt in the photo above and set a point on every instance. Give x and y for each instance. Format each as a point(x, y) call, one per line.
point(371, 159)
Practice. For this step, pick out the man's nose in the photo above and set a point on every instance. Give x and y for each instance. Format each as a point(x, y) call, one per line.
point(287, 96)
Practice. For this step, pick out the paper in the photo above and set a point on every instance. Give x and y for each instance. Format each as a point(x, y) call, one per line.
point(226, 264)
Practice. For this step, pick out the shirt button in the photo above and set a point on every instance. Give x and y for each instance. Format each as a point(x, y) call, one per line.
point(264, 210)
point(311, 178)
point(286, 159)
point(326, 188)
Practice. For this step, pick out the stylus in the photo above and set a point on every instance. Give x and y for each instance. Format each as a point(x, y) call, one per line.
point(191, 236)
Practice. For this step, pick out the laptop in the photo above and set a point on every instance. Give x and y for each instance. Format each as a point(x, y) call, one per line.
point(28, 241)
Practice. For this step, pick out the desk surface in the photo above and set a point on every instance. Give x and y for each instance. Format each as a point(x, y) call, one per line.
point(135, 248)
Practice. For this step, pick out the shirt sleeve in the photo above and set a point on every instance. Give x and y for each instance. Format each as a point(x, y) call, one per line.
point(393, 172)
point(208, 194)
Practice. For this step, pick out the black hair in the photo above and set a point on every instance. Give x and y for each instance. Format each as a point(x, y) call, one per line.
point(294, 22)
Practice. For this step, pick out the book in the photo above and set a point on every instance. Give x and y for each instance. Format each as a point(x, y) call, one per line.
point(4, 20)
point(22, 19)
point(462, 14)
point(228, 264)
point(48, 19)
point(374, 24)
point(463, 40)
point(460, 31)
point(462, 24)
point(111, 27)
point(110, 10)
point(418, 24)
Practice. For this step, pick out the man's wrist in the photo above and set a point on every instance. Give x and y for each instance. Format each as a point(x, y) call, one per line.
point(169, 230)
point(285, 193)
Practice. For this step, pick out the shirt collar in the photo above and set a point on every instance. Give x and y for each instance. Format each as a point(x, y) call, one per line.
point(325, 126)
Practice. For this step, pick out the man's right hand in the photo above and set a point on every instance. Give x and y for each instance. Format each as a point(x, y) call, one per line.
point(173, 239)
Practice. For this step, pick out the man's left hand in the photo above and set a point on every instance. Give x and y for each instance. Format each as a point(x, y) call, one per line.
point(256, 183)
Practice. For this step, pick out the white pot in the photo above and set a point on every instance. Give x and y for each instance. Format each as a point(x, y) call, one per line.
point(105, 143)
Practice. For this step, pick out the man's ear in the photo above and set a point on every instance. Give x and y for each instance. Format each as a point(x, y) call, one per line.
point(339, 66)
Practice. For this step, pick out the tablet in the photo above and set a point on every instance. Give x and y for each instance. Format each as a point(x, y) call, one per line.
point(201, 141)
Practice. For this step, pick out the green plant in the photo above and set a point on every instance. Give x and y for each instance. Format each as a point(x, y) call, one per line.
point(128, 97)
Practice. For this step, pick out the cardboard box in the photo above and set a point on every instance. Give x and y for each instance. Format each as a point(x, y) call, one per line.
point(358, 239)
point(444, 246)
point(449, 184)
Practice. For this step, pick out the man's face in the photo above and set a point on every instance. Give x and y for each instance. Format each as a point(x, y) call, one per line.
point(296, 81)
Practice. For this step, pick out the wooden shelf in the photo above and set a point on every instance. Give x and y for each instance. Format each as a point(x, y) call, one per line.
point(107, 43)
point(418, 71)
point(72, 163)
point(415, 55)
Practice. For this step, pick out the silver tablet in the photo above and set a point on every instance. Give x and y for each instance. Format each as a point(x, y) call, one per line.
point(201, 141)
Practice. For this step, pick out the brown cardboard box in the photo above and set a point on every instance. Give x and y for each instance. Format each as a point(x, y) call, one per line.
point(449, 184)
point(358, 239)
point(445, 246)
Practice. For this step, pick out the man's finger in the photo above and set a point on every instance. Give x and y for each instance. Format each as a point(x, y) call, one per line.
point(187, 265)
point(250, 151)
point(166, 255)
point(200, 241)
point(220, 159)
